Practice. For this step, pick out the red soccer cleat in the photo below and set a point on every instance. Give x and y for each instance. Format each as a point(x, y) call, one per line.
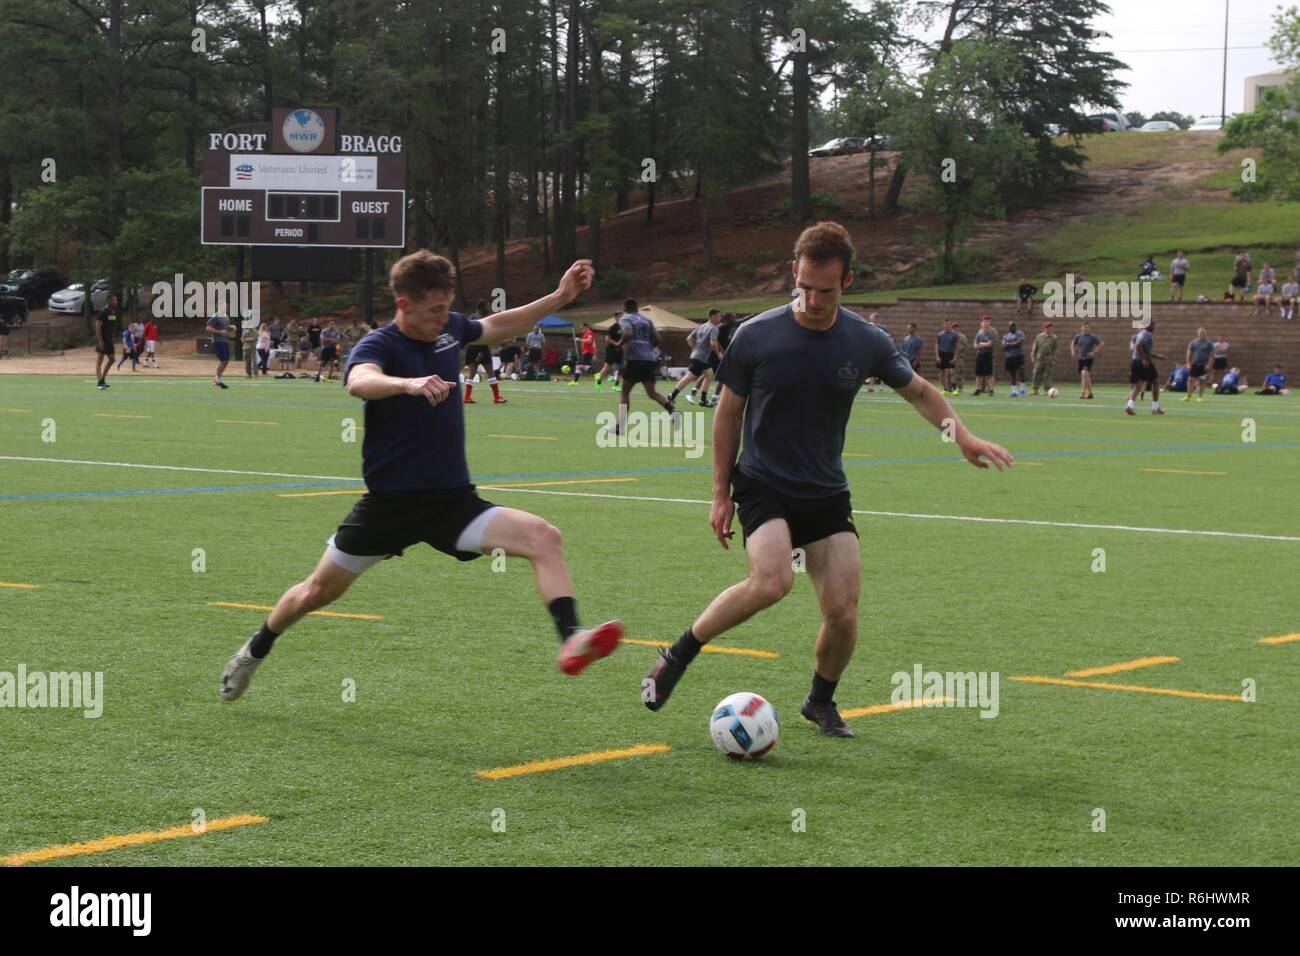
point(585, 646)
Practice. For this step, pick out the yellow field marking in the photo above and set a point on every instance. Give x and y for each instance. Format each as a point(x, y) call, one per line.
point(854, 454)
point(573, 481)
point(1284, 639)
point(270, 607)
point(104, 844)
point(528, 437)
point(1182, 471)
point(710, 649)
point(111, 415)
point(1126, 666)
point(15, 409)
point(560, 763)
point(913, 704)
point(318, 494)
point(235, 421)
point(1031, 464)
point(1133, 688)
point(23, 587)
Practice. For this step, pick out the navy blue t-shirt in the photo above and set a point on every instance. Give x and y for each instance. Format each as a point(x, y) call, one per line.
point(411, 445)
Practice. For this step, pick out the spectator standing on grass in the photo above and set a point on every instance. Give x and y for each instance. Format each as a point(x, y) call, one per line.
point(911, 349)
point(945, 352)
point(960, 358)
point(535, 341)
point(330, 338)
point(313, 335)
point(1220, 356)
point(1013, 345)
point(219, 327)
point(986, 338)
point(249, 339)
point(1178, 270)
point(1044, 356)
point(1025, 296)
point(264, 349)
point(1085, 347)
point(1241, 273)
point(277, 333)
point(1200, 351)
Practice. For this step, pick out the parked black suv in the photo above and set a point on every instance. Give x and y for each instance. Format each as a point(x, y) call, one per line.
point(34, 286)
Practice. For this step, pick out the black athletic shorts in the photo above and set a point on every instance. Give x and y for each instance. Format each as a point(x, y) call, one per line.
point(388, 522)
point(613, 355)
point(1137, 372)
point(1239, 281)
point(221, 350)
point(1085, 364)
point(640, 371)
point(984, 363)
point(479, 355)
point(106, 350)
point(1180, 279)
point(698, 366)
point(1015, 362)
point(810, 519)
point(1220, 361)
point(1197, 371)
point(328, 353)
point(945, 360)
point(534, 355)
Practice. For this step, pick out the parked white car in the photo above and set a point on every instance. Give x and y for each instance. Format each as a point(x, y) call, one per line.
point(72, 300)
point(1206, 124)
point(1159, 126)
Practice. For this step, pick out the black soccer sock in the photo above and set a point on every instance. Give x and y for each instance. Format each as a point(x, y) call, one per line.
point(672, 396)
point(823, 690)
point(686, 648)
point(260, 646)
point(565, 612)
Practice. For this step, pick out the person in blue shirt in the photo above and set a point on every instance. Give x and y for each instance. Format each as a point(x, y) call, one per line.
point(1178, 378)
point(1274, 383)
point(1231, 383)
point(418, 486)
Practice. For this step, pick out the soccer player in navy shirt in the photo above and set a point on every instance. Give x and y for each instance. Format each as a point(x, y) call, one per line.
point(789, 380)
point(417, 479)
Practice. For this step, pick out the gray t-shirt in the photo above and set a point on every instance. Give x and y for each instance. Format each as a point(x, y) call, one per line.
point(912, 347)
point(535, 340)
point(704, 336)
point(1143, 338)
point(222, 324)
point(1179, 267)
point(982, 337)
point(800, 386)
point(1084, 344)
point(1201, 350)
point(948, 341)
point(1014, 343)
point(639, 338)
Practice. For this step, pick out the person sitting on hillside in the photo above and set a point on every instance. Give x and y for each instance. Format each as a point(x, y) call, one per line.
point(1149, 270)
point(1263, 296)
point(1178, 378)
point(1025, 296)
point(1232, 383)
point(1275, 383)
point(1290, 293)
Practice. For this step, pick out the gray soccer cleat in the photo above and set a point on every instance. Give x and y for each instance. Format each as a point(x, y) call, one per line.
point(238, 673)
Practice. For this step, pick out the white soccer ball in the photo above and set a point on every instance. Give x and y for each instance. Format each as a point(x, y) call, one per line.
point(744, 726)
point(1052, 393)
point(514, 376)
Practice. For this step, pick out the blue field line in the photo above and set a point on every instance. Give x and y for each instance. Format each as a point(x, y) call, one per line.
point(169, 491)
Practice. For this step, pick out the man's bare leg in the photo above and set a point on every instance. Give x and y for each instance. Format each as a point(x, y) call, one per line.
point(835, 566)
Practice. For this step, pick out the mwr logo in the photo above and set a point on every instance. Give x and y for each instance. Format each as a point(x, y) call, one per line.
point(103, 909)
point(304, 130)
point(849, 372)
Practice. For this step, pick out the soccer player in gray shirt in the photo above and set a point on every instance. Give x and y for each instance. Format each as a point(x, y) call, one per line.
point(912, 345)
point(1199, 352)
point(789, 380)
point(704, 345)
point(640, 359)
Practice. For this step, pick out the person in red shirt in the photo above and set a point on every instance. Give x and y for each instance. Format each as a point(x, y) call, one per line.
point(151, 343)
point(588, 349)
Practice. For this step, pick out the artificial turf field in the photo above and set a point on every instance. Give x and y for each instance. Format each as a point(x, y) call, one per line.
point(458, 676)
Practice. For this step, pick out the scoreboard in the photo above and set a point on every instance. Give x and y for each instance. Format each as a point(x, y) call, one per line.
point(303, 184)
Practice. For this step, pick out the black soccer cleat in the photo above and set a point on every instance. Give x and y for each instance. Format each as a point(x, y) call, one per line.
point(663, 677)
point(826, 717)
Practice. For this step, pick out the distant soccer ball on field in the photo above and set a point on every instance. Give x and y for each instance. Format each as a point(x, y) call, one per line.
point(744, 726)
point(565, 370)
point(514, 376)
point(1052, 393)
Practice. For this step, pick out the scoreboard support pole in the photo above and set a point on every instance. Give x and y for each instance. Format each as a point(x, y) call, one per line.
point(239, 319)
point(369, 292)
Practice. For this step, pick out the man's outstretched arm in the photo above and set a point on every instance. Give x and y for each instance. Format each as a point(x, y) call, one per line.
point(500, 326)
point(934, 408)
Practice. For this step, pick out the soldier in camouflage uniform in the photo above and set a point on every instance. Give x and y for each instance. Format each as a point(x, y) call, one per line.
point(960, 358)
point(1044, 356)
